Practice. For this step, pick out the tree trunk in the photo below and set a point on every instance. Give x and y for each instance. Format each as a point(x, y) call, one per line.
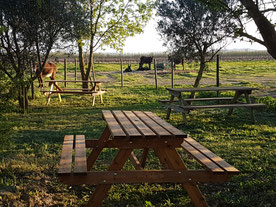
point(199, 75)
point(82, 66)
point(23, 98)
point(265, 27)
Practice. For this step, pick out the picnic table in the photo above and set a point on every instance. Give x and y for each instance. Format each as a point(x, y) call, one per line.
point(184, 105)
point(94, 91)
point(144, 131)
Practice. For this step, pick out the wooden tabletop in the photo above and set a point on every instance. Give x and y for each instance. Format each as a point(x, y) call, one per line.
point(228, 88)
point(139, 124)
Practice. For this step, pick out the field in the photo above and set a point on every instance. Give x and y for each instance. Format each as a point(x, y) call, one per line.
point(30, 144)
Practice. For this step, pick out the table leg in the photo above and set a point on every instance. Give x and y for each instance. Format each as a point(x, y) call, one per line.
point(144, 157)
point(251, 109)
point(169, 108)
point(175, 162)
point(50, 93)
point(184, 103)
point(136, 163)
point(93, 100)
point(101, 190)
point(98, 149)
point(234, 100)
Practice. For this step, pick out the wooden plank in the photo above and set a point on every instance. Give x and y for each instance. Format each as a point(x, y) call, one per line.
point(101, 143)
point(134, 160)
point(176, 132)
point(65, 165)
point(159, 130)
point(114, 127)
point(231, 88)
point(216, 159)
point(75, 92)
point(137, 143)
point(142, 128)
point(126, 125)
point(80, 155)
point(73, 81)
point(201, 99)
point(205, 161)
point(145, 176)
point(224, 106)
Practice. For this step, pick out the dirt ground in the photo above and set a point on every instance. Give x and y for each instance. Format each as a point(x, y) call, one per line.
point(268, 83)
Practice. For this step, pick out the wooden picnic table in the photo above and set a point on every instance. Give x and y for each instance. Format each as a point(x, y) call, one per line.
point(129, 130)
point(94, 91)
point(183, 104)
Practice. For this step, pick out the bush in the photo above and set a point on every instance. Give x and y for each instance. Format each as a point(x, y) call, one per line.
point(269, 101)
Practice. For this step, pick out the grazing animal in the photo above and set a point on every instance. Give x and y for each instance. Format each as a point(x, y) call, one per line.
point(176, 58)
point(145, 60)
point(128, 69)
point(50, 70)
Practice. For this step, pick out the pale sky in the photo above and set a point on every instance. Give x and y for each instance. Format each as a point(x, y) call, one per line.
point(150, 42)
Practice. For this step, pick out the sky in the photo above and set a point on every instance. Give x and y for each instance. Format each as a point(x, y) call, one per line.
point(150, 42)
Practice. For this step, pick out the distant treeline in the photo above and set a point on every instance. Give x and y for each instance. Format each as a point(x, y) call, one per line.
point(160, 57)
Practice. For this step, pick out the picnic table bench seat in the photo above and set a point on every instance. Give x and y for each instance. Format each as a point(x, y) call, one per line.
point(94, 91)
point(184, 105)
point(201, 99)
point(129, 130)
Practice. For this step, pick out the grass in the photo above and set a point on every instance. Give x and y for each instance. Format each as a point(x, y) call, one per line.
point(31, 143)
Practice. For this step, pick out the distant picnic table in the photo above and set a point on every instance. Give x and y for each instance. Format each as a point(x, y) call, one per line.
point(184, 105)
point(94, 91)
point(138, 130)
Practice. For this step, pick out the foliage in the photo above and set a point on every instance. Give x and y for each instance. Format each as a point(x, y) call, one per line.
point(269, 102)
point(27, 36)
point(192, 30)
point(109, 23)
point(262, 13)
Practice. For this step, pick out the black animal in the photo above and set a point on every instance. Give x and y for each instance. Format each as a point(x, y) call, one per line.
point(176, 59)
point(145, 60)
point(128, 69)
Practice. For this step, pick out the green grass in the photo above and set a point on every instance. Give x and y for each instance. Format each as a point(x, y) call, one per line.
point(31, 144)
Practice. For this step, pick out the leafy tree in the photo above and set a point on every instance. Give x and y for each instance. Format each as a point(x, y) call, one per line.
point(28, 31)
point(262, 13)
point(192, 29)
point(107, 23)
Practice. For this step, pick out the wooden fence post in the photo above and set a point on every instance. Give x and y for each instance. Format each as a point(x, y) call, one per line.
point(76, 64)
point(32, 84)
point(172, 69)
point(155, 74)
point(122, 73)
point(217, 74)
point(65, 72)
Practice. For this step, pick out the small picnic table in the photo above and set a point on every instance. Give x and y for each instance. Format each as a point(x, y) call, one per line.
point(129, 130)
point(183, 104)
point(94, 91)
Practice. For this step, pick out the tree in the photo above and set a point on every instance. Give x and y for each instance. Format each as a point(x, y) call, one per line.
point(26, 36)
point(193, 29)
point(108, 23)
point(244, 11)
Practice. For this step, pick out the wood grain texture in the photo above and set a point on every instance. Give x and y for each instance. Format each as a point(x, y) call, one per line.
point(65, 165)
point(80, 155)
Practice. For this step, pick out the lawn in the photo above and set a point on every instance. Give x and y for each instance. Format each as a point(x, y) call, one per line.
point(31, 143)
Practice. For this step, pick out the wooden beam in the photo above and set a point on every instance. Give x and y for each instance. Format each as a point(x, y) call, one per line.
point(145, 176)
point(137, 143)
